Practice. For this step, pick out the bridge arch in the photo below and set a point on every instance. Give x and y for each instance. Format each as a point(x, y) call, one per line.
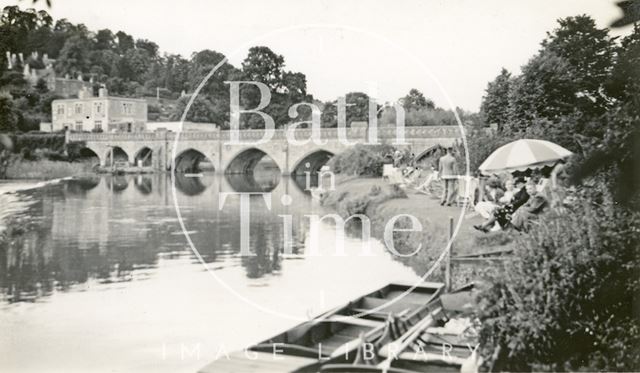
point(143, 157)
point(87, 153)
point(428, 152)
point(246, 160)
point(119, 155)
point(311, 162)
point(191, 160)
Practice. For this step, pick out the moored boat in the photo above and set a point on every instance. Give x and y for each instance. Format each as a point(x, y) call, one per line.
point(440, 342)
point(336, 335)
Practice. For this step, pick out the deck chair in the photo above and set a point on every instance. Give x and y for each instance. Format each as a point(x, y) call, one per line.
point(425, 185)
point(467, 187)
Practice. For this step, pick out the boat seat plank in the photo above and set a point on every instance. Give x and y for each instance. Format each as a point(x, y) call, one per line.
point(355, 321)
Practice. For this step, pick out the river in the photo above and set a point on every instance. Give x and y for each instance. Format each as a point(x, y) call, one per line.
point(97, 274)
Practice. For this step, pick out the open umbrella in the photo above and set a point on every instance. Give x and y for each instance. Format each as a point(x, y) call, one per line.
point(523, 154)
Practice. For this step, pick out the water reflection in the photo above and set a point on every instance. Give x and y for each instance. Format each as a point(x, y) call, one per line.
point(190, 185)
point(259, 182)
point(100, 230)
point(118, 183)
point(143, 184)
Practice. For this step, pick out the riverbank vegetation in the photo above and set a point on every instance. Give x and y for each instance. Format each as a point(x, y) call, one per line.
point(568, 299)
point(41, 156)
point(577, 279)
point(360, 160)
point(45, 169)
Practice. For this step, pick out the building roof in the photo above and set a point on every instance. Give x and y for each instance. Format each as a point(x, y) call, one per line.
point(101, 98)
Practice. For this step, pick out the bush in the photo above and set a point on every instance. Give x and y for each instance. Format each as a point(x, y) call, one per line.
point(361, 160)
point(568, 301)
point(31, 142)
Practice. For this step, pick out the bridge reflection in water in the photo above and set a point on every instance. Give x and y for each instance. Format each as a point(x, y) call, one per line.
point(111, 228)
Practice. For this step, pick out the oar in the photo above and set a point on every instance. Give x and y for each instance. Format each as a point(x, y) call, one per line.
point(406, 340)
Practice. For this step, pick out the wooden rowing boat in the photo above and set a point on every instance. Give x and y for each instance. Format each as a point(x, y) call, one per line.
point(366, 316)
point(335, 336)
point(428, 346)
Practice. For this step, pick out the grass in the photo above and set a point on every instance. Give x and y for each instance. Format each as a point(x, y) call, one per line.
point(380, 201)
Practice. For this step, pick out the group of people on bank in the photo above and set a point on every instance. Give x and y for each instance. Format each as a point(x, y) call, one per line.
point(514, 206)
point(506, 201)
point(517, 200)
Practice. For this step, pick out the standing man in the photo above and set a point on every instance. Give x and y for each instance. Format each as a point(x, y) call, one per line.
point(448, 171)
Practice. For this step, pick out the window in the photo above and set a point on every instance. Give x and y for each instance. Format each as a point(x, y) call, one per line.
point(97, 125)
point(79, 127)
point(127, 108)
point(98, 107)
point(60, 110)
point(78, 108)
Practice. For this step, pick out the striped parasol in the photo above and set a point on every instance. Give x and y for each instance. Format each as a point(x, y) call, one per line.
point(523, 154)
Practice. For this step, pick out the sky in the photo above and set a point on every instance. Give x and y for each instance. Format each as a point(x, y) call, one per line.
point(448, 49)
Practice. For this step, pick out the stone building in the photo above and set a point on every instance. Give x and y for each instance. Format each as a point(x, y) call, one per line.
point(102, 113)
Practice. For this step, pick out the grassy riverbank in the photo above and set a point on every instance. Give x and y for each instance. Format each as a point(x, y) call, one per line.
point(380, 201)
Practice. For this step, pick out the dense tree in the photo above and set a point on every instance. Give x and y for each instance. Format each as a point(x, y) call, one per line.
point(265, 66)
point(125, 42)
point(566, 78)
point(419, 111)
point(357, 109)
point(415, 100)
point(73, 57)
point(495, 103)
point(8, 115)
point(630, 13)
point(202, 110)
point(105, 39)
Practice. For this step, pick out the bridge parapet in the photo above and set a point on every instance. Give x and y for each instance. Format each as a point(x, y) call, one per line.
point(385, 133)
point(423, 132)
point(115, 136)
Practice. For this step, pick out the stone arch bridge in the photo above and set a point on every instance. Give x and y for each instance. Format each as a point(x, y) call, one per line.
point(159, 149)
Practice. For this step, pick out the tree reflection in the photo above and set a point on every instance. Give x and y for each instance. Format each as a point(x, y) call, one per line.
point(76, 232)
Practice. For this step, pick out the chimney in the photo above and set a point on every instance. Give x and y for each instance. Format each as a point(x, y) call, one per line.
point(9, 60)
point(102, 92)
point(21, 57)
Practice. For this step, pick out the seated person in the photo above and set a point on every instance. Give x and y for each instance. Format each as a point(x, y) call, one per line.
point(491, 200)
point(521, 219)
point(508, 193)
point(502, 215)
